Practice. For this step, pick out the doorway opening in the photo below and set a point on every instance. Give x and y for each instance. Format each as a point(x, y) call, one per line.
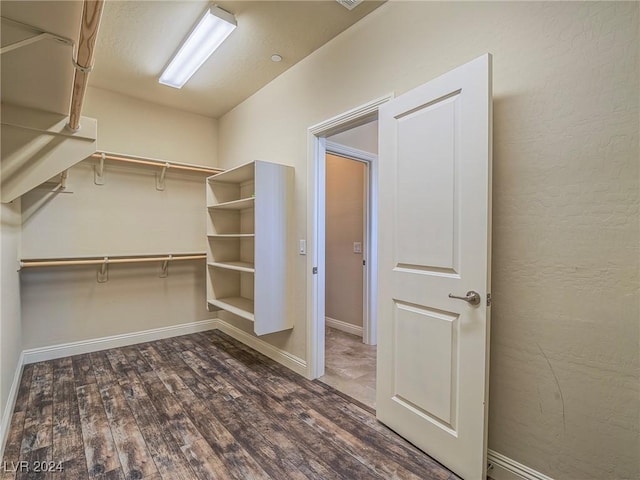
point(350, 354)
point(322, 140)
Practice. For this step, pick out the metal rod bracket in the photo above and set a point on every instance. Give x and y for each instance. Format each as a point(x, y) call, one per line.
point(160, 184)
point(80, 68)
point(62, 186)
point(164, 271)
point(103, 271)
point(98, 171)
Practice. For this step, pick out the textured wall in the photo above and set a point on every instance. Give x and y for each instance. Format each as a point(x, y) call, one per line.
point(344, 225)
point(132, 126)
point(564, 361)
point(10, 333)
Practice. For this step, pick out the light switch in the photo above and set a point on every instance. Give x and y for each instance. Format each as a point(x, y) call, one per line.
point(357, 247)
point(302, 248)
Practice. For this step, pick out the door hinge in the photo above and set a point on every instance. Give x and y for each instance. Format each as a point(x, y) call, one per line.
point(364, 263)
point(488, 299)
point(314, 270)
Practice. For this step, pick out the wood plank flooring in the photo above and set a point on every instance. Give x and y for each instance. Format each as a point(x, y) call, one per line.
point(200, 406)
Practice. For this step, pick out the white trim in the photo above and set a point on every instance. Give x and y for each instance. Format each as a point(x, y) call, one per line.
point(343, 326)
point(349, 119)
point(502, 467)
point(315, 224)
point(51, 352)
point(10, 405)
point(283, 357)
point(349, 152)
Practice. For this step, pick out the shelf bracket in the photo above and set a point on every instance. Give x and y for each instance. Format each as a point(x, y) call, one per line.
point(98, 171)
point(103, 271)
point(40, 36)
point(62, 186)
point(164, 271)
point(160, 177)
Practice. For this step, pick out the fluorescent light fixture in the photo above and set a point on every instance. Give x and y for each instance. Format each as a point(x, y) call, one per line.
point(212, 29)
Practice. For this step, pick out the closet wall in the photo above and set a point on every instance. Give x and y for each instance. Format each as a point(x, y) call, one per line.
point(10, 331)
point(564, 347)
point(125, 216)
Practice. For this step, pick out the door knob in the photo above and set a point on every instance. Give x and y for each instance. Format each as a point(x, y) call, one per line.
point(473, 298)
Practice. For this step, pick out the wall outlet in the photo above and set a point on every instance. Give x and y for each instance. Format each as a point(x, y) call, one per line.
point(357, 247)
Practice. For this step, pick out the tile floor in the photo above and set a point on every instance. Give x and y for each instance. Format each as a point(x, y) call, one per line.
point(350, 366)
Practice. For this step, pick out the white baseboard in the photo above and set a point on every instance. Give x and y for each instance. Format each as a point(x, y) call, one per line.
point(10, 405)
point(290, 361)
point(504, 468)
point(343, 326)
point(52, 352)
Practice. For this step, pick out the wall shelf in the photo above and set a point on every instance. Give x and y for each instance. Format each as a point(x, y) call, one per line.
point(233, 235)
point(239, 266)
point(241, 204)
point(248, 219)
point(243, 307)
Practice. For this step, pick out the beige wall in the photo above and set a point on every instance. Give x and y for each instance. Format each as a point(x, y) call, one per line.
point(363, 137)
point(10, 333)
point(564, 364)
point(132, 126)
point(126, 216)
point(344, 225)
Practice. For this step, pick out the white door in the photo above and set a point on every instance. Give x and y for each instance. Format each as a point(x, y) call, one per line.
point(434, 240)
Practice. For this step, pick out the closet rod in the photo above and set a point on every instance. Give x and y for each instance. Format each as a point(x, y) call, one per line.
point(107, 260)
point(90, 23)
point(157, 163)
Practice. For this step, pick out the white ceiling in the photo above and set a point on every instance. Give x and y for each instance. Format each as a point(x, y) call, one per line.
point(137, 39)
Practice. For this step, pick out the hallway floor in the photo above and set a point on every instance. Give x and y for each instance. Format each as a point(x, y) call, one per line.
point(350, 366)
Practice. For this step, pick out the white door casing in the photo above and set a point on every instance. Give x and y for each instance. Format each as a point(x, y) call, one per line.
point(434, 240)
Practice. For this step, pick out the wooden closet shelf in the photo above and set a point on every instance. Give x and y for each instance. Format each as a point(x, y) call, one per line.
point(237, 175)
point(243, 307)
point(238, 266)
point(232, 235)
point(241, 204)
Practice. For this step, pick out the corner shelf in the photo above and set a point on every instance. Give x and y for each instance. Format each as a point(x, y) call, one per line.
point(248, 221)
point(233, 235)
point(243, 307)
point(235, 204)
point(238, 266)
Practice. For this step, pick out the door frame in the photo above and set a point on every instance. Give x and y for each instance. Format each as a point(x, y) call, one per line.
point(369, 254)
point(317, 146)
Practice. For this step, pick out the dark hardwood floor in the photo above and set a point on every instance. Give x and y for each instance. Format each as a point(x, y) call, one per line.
point(199, 406)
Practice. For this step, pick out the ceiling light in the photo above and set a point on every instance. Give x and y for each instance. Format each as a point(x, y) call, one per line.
point(212, 29)
point(276, 58)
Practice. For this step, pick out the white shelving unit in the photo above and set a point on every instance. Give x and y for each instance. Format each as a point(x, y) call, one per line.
point(248, 214)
